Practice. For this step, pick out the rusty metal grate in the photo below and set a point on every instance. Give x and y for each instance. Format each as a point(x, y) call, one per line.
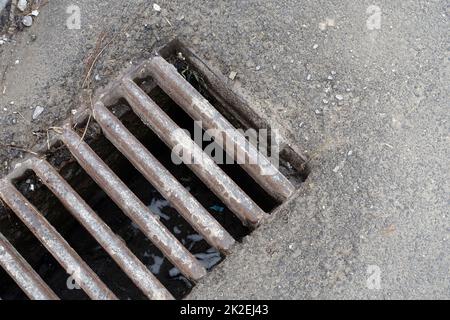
point(165, 76)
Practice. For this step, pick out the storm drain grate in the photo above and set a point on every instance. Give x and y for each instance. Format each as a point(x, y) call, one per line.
point(165, 76)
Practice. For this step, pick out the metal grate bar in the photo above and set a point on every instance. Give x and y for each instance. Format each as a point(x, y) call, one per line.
point(132, 206)
point(187, 97)
point(55, 243)
point(162, 180)
point(23, 274)
point(192, 155)
point(116, 248)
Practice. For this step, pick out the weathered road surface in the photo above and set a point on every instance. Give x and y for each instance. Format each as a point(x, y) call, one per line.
point(366, 98)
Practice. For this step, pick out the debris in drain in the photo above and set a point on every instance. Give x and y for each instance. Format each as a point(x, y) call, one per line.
point(217, 208)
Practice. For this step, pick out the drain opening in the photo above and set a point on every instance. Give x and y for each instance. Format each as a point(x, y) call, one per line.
point(141, 247)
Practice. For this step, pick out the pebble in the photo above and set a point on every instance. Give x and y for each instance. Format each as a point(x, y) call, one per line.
point(315, 46)
point(27, 21)
point(156, 7)
point(37, 112)
point(325, 101)
point(22, 5)
point(308, 77)
point(35, 13)
point(232, 75)
point(339, 97)
point(330, 22)
point(16, 62)
point(258, 68)
point(330, 78)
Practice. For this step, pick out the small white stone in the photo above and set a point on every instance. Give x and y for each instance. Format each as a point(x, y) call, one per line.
point(258, 68)
point(17, 62)
point(97, 77)
point(336, 169)
point(339, 97)
point(232, 75)
point(27, 21)
point(325, 101)
point(5, 109)
point(330, 78)
point(308, 77)
point(37, 112)
point(330, 22)
point(350, 153)
point(156, 7)
point(73, 111)
point(2, 42)
point(35, 13)
point(22, 5)
point(315, 46)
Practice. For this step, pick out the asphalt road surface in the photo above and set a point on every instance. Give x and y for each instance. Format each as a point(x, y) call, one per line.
point(362, 85)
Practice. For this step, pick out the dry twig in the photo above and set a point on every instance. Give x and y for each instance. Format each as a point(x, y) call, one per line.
point(20, 149)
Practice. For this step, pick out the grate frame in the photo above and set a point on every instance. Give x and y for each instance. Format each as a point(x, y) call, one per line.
point(126, 87)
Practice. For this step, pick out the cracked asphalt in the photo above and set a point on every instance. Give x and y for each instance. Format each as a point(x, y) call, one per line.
point(366, 98)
